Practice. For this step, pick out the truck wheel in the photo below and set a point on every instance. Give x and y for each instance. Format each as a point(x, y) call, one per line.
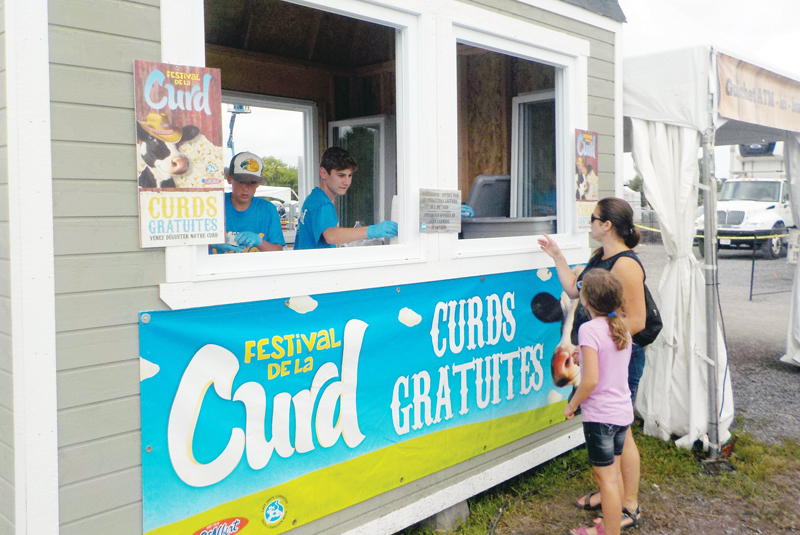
point(775, 247)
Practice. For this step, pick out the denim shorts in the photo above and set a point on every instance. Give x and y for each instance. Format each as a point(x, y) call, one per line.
point(604, 442)
point(635, 368)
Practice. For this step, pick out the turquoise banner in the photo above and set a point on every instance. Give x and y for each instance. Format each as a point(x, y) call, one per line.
point(264, 416)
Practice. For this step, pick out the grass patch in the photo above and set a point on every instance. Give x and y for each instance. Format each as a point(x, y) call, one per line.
point(761, 491)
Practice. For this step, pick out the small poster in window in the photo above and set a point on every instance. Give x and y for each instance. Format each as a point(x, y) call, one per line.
point(586, 181)
point(179, 154)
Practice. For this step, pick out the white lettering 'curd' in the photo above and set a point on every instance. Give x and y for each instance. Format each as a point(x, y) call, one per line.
point(216, 365)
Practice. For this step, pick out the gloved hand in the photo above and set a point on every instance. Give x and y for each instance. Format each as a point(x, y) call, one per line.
point(222, 248)
point(384, 229)
point(467, 211)
point(248, 239)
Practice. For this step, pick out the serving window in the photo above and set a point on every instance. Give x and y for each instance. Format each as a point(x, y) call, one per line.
point(310, 78)
point(508, 131)
point(445, 96)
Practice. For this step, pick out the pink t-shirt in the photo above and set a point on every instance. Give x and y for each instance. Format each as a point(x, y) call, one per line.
point(610, 401)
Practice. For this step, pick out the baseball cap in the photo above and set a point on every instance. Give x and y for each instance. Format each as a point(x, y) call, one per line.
point(246, 167)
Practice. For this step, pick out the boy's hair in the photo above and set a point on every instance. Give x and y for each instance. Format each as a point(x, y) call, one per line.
point(336, 158)
point(602, 292)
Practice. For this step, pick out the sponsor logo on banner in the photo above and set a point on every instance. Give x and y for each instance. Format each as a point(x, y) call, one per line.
point(229, 526)
point(274, 511)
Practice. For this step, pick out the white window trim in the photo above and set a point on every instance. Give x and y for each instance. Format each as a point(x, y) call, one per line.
point(310, 129)
point(538, 96)
point(427, 158)
point(533, 43)
point(193, 264)
point(379, 180)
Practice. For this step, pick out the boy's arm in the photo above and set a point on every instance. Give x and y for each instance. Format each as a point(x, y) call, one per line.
point(589, 378)
point(340, 235)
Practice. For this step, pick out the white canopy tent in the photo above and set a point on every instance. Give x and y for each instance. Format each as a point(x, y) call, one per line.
point(678, 102)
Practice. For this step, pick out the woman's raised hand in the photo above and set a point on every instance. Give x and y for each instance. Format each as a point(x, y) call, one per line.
point(549, 246)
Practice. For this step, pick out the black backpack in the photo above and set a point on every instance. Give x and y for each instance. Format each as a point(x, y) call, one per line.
point(653, 322)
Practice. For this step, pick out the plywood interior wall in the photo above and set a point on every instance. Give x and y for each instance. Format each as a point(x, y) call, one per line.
point(339, 92)
point(487, 81)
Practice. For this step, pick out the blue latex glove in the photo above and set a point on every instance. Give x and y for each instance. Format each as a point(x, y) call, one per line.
point(223, 248)
point(248, 239)
point(467, 211)
point(384, 229)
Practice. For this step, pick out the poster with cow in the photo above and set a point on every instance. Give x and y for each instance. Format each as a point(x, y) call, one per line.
point(179, 163)
point(586, 180)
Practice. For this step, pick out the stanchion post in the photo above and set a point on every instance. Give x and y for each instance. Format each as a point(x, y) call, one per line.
point(710, 243)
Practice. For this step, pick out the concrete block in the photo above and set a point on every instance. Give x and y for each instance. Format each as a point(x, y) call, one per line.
point(450, 518)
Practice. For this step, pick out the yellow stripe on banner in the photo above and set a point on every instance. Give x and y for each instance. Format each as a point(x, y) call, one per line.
point(770, 236)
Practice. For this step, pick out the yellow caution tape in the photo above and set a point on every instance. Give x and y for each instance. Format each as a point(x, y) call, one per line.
point(759, 237)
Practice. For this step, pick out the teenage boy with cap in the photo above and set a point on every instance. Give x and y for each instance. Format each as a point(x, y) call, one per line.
point(252, 223)
point(319, 225)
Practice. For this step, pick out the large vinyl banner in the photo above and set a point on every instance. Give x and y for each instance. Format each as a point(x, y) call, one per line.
point(266, 416)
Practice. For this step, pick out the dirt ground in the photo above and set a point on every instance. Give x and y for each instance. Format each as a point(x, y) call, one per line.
point(767, 404)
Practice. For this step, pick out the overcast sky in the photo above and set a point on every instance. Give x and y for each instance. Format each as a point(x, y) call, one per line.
point(763, 32)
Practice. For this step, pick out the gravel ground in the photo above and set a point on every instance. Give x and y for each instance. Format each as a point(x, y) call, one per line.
point(766, 391)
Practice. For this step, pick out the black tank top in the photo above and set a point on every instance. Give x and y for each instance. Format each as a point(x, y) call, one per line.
point(597, 262)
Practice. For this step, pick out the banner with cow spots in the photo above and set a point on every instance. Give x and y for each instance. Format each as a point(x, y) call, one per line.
point(276, 413)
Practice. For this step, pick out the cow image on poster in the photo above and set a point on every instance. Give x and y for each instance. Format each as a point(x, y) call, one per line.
point(159, 148)
point(548, 309)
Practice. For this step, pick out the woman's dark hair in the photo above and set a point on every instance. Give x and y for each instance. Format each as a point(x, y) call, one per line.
point(602, 292)
point(620, 213)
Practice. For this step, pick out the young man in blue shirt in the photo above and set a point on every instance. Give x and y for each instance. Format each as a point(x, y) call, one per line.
point(318, 223)
point(252, 224)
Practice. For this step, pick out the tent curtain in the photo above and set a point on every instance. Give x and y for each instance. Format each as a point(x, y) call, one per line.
point(673, 396)
point(791, 153)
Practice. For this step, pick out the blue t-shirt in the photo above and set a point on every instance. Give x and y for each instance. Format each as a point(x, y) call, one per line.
point(317, 215)
point(260, 217)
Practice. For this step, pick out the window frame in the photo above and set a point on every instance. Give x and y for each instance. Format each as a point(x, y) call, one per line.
point(571, 113)
point(306, 179)
point(427, 157)
point(516, 102)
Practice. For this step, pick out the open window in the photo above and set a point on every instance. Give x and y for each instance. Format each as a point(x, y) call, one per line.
point(509, 133)
point(297, 80)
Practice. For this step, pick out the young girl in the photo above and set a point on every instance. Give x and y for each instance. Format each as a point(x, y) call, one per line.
point(603, 394)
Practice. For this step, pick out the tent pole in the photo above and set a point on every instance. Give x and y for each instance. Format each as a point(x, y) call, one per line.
point(710, 244)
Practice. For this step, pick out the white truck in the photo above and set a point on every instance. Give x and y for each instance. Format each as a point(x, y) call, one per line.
point(751, 212)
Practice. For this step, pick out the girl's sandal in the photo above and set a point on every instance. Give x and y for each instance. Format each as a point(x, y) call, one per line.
point(587, 502)
point(631, 520)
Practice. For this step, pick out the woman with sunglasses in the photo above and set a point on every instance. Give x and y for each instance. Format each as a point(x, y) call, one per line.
point(612, 226)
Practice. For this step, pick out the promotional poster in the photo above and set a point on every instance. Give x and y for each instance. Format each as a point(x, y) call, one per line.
point(269, 415)
point(179, 154)
point(586, 179)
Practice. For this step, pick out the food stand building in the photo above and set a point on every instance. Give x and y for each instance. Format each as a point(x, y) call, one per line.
point(459, 90)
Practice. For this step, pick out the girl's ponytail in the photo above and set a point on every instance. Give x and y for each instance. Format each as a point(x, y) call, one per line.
point(619, 332)
point(602, 291)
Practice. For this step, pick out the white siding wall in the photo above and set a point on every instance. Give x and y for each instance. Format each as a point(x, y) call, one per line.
point(102, 278)
point(6, 386)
